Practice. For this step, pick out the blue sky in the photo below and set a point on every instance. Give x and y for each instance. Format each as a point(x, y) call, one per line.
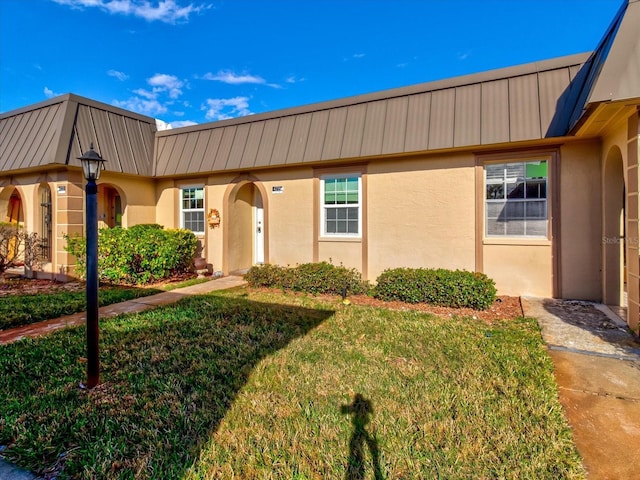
point(194, 61)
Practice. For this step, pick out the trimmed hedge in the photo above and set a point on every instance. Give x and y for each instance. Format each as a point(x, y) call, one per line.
point(312, 278)
point(137, 255)
point(441, 287)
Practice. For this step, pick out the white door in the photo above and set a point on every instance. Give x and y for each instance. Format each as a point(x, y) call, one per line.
point(259, 229)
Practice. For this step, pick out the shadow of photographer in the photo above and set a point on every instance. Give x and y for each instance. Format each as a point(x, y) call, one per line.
point(361, 409)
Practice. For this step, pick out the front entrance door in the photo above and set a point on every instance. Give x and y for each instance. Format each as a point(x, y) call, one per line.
point(258, 257)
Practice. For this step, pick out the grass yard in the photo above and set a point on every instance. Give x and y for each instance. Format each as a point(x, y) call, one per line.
point(244, 384)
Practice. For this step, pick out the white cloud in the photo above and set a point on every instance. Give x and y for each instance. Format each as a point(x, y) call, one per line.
point(227, 76)
point(119, 75)
point(225, 108)
point(462, 56)
point(168, 11)
point(162, 82)
point(359, 55)
point(182, 123)
point(165, 89)
point(50, 93)
point(145, 107)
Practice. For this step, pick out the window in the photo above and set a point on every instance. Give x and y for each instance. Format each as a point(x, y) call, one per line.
point(516, 199)
point(341, 205)
point(192, 209)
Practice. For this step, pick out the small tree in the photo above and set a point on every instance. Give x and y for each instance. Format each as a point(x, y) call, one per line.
point(18, 247)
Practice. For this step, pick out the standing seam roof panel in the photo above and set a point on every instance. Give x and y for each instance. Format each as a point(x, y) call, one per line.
point(253, 144)
point(238, 146)
point(442, 109)
point(187, 151)
point(317, 134)
point(552, 85)
point(178, 150)
point(353, 131)
point(163, 146)
point(299, 138)
point(224, 150)
point(467, 116)
point(43, 150)
point(211, 152)
point(136, 134)
point(495, 112)
point(374, 128)
point(336, 127)
point(395, 125)
point(524, 108)
point(105, 142)
point(418, 116)
point(85, 134)
point(122, 143)
point(23, 155)
point(199, 151)
point(283, 141)
point(267, 142)
point(17, 127)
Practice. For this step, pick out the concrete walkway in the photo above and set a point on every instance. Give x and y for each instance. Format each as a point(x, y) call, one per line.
point(130, 306)
point(597, 369)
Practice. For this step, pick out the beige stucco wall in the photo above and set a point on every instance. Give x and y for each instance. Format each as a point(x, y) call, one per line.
point(522, 268)
point(421, 213)
point(581, 221)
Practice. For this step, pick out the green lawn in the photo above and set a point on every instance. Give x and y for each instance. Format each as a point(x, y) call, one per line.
point(248, 385)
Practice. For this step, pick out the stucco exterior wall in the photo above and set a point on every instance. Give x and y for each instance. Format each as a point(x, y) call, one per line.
point(581, 221)
point(524, 268)
point(421, 213)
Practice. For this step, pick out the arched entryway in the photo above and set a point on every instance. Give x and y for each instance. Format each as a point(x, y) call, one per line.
point(245, 239)
point(12, 206)
point(614, 275)
point(110, 206)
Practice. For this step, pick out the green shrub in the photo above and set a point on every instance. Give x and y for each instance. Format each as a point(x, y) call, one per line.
point(312, 278)
point(441, 287)
point(137, 255)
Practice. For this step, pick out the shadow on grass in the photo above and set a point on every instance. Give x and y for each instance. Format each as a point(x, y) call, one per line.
point(361, 409)
point(169, 377)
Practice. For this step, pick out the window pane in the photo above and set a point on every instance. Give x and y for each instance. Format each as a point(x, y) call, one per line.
point(338, 193)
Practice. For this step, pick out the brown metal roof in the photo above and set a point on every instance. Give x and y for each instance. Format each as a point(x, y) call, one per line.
point(57, 131)
point(506, 105)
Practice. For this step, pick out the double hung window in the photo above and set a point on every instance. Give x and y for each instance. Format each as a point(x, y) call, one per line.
point(516, 199)
point(341, 200)
point(192, 209)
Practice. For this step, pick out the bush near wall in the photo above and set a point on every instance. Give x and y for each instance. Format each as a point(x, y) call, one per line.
point(441, 287)
point(137, 255)
point(312, 278)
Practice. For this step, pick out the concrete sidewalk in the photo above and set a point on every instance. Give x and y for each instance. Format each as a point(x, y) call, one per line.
point(597, 369)
point(130, 306)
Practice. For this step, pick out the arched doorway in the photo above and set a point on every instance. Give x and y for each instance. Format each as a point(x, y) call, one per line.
point(110, 206)
point(614, 274)
point(246, 232)
point(14, 211)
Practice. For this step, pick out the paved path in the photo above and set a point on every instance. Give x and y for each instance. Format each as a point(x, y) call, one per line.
point(597, 368)
point(136, 305)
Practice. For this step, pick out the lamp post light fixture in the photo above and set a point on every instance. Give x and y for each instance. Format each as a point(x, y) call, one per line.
point(92, 164)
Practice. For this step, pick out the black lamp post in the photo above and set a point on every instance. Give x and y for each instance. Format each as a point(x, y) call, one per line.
point(92, 164)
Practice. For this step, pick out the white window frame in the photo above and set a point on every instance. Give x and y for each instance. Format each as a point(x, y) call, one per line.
point(324, 207)
point(188, 210)
point(504, 182)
